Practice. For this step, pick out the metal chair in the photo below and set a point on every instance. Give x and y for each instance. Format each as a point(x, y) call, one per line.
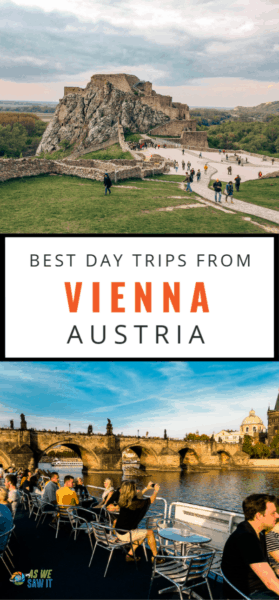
point(46, 509)
point(184, 572)
point(63, 515)
point(80, 524)
point(241, 594)
point(106, 538)
point(4, 540)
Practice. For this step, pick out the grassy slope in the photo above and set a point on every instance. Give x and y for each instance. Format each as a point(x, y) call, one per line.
point(63, 204)
point(108, 154)
point(263, 192)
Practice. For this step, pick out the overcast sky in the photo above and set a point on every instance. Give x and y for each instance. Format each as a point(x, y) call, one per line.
point(149, 396)
point(203, 52)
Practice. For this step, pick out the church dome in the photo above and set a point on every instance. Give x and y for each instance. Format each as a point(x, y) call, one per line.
point(252, 419)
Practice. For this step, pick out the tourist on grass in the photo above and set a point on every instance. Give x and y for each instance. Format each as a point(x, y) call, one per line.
point(245, 559)
point(217, 185)
point(13, 494)
point(229, 191)
point(187, 180)
point(66, 495)
point(49, 495)
point(198, 174)
point(132, 511)
point(107, 183)
point(237, 182)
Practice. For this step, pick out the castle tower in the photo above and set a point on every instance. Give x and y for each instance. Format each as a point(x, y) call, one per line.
point(273, 421)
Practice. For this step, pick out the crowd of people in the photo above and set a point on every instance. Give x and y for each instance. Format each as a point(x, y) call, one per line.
point(126, 504)
point(250, 560)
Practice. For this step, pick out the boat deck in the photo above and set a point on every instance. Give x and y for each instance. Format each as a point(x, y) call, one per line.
point(37, 548)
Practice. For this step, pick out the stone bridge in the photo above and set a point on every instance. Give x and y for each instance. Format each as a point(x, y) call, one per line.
point(98, 452)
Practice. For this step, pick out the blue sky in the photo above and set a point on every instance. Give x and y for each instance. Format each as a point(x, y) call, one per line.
point(149, 396)
point(205, 52)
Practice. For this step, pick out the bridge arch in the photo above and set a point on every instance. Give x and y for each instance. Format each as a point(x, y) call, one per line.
point(224, 457)
point(188, 457)
point(5, 459)
point(147, 456)
point(89, 457)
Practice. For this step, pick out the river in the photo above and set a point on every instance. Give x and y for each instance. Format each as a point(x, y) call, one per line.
point(216, 488)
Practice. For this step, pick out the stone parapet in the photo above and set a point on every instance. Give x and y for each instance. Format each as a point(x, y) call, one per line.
point(26, 167)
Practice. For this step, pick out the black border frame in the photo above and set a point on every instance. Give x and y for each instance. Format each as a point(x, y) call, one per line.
point(3, 357)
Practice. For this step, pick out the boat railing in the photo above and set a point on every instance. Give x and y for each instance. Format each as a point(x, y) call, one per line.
point(212, 518)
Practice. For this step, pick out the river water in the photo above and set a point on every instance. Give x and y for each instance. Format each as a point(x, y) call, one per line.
point(216, 488)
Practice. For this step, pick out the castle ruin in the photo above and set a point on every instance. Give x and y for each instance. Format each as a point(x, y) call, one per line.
point(179, 125)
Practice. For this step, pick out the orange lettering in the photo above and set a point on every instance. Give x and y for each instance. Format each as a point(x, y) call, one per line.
point(115, 296)
point(170, 296)
point(144, 297)
point(95, 296)
point(199, 298)
point(73, 302)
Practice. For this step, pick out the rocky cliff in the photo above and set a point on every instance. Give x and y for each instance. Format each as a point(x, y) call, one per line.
point(90, 117)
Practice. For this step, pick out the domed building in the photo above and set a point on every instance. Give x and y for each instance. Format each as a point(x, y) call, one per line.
point(252, 425)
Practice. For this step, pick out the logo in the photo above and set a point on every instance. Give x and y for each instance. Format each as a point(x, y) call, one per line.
point(38, 578)
point(17, 578)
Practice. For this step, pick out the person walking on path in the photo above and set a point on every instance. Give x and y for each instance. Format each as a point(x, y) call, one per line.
point(237, 183)
point(229, 170)
point(272, 161)
point(260, 174)
point(187, 180)
point(229, 191)
point(227, 157)
point(200, 155)
point(188, 165)
point(217, 185)
point(205, 169)
point(183, 165)
point(183, 151)
point(198, 175)
point(107, 183)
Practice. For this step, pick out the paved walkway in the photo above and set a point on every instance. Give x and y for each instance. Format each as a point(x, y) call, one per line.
point(203, 190)
point(218, 168)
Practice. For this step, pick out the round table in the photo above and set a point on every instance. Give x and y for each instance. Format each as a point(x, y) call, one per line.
point(183, 537)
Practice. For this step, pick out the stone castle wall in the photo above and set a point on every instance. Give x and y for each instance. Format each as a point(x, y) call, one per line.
point(194, 138)
point(173, 128)
point(11, 168)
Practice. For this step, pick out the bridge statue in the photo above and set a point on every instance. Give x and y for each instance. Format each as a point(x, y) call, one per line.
point(109, 428)
point(89, 430)
point(23, 424)
point(11, 424)
point(165, 434)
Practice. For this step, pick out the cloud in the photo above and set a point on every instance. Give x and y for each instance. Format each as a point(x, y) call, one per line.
point(162, 41)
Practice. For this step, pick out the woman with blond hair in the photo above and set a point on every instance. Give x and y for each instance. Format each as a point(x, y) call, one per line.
point(132, 510)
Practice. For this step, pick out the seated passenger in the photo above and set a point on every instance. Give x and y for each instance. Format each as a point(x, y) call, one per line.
point(66, 496)
point(6, 518)
point(245, 560)
point(272, 544)
point(24, 476)
point(132, 511)
point(49, 495)
point(81, 489)
point(27, 486)
point(13, 494)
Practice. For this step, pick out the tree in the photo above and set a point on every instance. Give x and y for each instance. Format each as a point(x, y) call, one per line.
point(260, 450)
point(247, 445)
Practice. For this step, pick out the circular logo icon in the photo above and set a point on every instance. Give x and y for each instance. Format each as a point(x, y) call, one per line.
point(17, 578)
